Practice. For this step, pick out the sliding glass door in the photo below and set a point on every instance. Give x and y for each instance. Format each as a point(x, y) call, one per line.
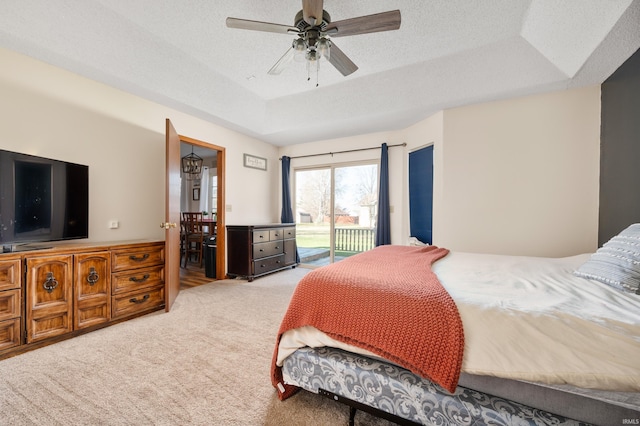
point(312, 210)
point(335, 211)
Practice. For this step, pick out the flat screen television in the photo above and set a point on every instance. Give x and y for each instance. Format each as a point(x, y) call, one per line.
point(41, 200)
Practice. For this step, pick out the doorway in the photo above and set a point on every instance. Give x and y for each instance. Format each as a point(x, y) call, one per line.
point(335, 211)
point(205, 194)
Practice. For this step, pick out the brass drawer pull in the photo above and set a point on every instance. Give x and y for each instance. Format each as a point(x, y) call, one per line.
point(51, 283)
point(93, 276)
point(139, 280)
point(136, 300)
point(139, 259)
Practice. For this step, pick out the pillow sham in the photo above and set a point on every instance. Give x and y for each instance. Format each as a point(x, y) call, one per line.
point(617, 262)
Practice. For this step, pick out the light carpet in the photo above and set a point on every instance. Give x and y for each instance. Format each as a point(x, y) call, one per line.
point(207, 362)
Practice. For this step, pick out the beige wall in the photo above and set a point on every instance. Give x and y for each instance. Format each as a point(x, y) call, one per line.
point(50, 112)
point(521, 176)
point(512, 177)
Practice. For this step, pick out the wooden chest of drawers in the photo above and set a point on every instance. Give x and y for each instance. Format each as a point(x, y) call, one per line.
point(255, 250)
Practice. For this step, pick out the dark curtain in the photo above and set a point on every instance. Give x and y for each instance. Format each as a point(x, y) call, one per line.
point(287, 213)
point(383, 230)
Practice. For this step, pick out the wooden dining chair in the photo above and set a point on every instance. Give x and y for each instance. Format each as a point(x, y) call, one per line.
point(193, 236)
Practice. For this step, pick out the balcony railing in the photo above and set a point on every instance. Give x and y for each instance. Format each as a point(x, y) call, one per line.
point(354, 239)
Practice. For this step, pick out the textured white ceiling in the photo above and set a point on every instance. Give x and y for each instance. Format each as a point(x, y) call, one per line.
point(446, 53)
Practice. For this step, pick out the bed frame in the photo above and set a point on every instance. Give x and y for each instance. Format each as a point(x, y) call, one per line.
point(395, 394)
point(354, 406)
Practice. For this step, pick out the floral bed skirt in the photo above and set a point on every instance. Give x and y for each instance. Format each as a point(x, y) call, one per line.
point(392, 389)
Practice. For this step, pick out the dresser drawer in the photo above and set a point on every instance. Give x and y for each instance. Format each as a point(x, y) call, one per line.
point(136, 257)
point(9, 333)
point(276, 234)
point(268, 264)
point(132, 303)
point(9, 304)
point(267, 249)
point(289, 233)
point(260, 236)
point(10, 274)
point(137, 279)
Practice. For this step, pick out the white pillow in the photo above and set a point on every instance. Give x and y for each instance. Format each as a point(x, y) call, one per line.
point(617, 262)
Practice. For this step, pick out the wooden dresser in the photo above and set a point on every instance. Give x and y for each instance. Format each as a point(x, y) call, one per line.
point(56, 293)
point(255, 250)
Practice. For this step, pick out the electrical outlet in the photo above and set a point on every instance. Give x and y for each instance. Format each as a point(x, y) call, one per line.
point(113, 224)
point(227, 208)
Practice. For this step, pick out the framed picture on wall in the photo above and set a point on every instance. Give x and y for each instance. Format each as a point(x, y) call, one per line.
point(196, 194)
point(255, 162)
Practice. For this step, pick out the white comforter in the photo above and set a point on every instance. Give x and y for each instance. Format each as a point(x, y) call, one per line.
point(530, 318)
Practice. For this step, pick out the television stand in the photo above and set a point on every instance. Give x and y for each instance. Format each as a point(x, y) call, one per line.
point(49, 295)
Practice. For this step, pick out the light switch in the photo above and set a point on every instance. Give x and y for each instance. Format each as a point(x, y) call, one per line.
point(227, 208)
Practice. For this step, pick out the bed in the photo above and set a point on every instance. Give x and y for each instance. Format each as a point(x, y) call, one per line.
point(543, 341)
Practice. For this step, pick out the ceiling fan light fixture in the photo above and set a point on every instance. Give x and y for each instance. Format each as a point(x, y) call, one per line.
point(323, 47)
point(311, 55)
point(299, 47)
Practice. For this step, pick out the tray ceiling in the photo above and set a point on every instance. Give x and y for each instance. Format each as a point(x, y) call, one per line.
point(447, 53)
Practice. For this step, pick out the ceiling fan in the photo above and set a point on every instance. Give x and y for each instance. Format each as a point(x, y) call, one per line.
point(314, 30)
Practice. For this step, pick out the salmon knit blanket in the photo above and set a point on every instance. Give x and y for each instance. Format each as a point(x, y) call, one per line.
point(388, 301)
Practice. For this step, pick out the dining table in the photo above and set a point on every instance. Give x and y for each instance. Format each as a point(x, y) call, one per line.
point(208, 224)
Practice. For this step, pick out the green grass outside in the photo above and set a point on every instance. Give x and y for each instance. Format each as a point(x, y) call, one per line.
point(310, 235)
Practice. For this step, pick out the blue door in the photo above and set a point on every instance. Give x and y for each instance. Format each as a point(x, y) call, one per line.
point(421, 194)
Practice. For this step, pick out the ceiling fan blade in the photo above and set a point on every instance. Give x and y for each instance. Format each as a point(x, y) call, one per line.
point(245, 24)
point(282, 62)
point(312, 11)
point(385, 21)
point(338, 59)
